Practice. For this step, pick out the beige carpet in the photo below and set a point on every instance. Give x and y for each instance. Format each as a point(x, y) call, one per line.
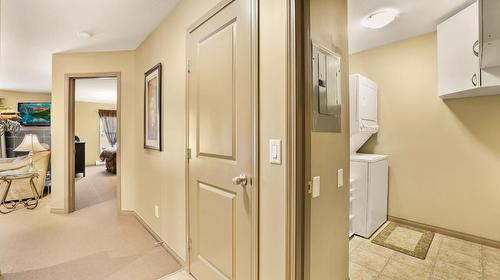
point(92, 243)
point(97, 187)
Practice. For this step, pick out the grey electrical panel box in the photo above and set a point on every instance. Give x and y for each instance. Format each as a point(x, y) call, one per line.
point(326, 97)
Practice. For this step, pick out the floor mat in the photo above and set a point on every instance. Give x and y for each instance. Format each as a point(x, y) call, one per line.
point(405, 239)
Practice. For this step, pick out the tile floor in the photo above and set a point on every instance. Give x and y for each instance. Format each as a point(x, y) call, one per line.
point(448, 259)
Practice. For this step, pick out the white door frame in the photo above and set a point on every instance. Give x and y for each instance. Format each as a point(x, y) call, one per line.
point(255, 130)
point(69, 109)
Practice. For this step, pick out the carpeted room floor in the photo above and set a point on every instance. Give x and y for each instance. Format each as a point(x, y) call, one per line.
point(92, 243)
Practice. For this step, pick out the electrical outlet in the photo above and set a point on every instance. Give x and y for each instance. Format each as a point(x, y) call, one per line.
point(340, 178)
point(157, 211)
point(316, 187)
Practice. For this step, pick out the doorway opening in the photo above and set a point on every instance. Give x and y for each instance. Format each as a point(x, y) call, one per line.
point(93, 140)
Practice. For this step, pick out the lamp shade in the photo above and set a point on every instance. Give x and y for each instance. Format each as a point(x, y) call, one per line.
point(30, 144)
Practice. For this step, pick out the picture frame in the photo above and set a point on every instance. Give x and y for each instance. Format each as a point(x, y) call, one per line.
point(152, 108)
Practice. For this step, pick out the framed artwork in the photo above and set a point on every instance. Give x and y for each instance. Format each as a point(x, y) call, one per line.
point(152, 108)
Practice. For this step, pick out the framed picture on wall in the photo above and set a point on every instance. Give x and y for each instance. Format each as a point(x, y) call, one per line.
point(152, 108)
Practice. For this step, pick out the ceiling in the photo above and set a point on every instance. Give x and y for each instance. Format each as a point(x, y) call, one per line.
point(417, 17)
point(102, 91)
point(32, 30)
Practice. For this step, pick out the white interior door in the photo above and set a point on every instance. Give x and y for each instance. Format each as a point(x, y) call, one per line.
point(221, 140)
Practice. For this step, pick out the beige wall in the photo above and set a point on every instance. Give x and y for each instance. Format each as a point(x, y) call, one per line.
point(330, 152)
point(87, 128)
point(158, 178)
point(122, 62)
point(444, 155)
point(11, 98)
point(162, 174)
point(273, 96)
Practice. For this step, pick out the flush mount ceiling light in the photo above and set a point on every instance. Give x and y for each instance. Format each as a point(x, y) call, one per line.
point(83, 35)
point(379, 18)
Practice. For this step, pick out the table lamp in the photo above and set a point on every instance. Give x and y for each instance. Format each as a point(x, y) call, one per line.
point(32, 145)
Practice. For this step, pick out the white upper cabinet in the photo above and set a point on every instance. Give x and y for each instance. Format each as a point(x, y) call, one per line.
point(490, 33)
point(458, 66)
point(490, 46)
point(467, 65)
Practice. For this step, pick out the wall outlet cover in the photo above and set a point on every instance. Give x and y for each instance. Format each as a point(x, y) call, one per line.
point(316, 186)
point(340, 178)
point(157, 211)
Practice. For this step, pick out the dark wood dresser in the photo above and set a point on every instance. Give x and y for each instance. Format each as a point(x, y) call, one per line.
point(80, 158)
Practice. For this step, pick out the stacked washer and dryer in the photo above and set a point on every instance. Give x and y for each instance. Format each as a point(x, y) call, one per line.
point(369, 172)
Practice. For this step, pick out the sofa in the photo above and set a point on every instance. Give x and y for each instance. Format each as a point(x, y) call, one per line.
point(20, 189)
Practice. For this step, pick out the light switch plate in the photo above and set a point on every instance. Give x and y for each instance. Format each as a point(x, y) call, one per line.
point(275, 151)
point(340, 178)
point(316, 186)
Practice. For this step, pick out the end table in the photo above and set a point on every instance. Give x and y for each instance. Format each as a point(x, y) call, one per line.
point(10, 176)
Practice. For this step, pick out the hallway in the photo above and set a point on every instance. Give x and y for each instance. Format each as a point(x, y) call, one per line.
point(92, 243)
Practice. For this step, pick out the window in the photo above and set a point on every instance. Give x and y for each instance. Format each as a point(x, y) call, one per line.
point(103, 140)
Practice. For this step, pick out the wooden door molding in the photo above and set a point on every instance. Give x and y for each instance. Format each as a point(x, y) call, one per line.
point(294, 141)
point(303, 85)
point(69, 112)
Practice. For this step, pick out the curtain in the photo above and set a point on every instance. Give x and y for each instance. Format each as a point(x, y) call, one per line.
point(109, 121)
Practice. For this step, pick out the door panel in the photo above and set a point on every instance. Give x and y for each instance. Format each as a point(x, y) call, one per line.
point(221, 141)
point(216, 239)
point(216, 94)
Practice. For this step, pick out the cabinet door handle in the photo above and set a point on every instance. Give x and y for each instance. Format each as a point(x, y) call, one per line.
point(474, 80)
point(476, 45)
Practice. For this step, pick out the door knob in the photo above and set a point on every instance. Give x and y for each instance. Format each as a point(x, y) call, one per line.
point(240, 180)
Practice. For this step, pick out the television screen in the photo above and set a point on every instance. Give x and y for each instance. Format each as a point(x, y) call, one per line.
point(34, 114)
